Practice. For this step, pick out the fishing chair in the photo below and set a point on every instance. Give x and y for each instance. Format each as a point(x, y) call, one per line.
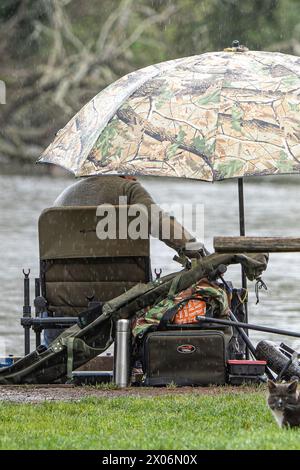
point(77, 268)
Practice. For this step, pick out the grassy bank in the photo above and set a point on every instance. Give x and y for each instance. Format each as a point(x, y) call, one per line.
point(190, 421)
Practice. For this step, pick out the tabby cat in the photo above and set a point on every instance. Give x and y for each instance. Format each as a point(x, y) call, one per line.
point(284, 402)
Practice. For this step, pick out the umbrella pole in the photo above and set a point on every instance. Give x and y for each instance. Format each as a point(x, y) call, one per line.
point(242, 234)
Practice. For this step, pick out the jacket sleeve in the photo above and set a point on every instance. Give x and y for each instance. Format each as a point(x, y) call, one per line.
point(160, 224)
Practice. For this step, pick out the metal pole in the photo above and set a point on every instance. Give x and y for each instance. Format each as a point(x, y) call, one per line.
point(37, 294)
point(241, 207)
point(242, 224)
point(250, 326)
point(242, 234)
point(26, 311)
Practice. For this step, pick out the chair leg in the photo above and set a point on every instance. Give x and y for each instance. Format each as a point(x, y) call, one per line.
point(26, 340)
point(37, 338)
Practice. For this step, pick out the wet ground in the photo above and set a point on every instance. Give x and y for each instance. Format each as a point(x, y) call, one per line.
point(44, 393)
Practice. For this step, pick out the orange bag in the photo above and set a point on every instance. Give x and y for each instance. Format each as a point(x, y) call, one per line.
point(190, 311)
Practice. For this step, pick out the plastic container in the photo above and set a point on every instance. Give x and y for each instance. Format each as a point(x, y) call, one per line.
point(7, 361)
point(244, 367)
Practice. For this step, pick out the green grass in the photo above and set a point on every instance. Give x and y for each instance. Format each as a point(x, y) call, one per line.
point(190, 421)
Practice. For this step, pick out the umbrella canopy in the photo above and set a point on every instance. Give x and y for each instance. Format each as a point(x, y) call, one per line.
point(207, 117)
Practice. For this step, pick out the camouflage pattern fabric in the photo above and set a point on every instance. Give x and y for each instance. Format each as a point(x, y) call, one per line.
point(214, 295)
point(208, 117)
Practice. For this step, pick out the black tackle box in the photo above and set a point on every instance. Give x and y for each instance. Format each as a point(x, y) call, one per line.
point(185, 357)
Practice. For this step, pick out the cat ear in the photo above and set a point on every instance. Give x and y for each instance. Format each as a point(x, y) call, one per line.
point(272, 385)
point(292, 387)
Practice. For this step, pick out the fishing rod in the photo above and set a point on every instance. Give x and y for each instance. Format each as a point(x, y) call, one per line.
point(248, 326)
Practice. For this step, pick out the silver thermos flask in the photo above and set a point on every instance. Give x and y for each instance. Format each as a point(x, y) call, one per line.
point(122, 353)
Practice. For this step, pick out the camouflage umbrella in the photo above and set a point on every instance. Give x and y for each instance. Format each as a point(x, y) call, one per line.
point(208, 117)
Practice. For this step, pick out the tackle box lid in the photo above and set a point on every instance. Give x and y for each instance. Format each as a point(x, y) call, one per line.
point(245, 362)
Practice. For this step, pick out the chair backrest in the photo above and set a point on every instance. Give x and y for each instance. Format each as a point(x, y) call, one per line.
point(77, 266)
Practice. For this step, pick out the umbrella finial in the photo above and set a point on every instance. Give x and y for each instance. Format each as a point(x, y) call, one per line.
point(236, 47)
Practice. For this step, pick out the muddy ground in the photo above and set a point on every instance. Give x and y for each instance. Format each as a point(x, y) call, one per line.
point(42, 393)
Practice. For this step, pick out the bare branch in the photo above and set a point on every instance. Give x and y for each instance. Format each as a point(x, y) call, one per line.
point(71, 73)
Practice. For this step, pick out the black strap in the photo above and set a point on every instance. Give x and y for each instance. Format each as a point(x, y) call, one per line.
point(169, 315)
point(89, 315)
point(174, 285)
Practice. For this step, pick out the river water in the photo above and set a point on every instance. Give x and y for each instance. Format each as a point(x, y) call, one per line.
point(272, 208)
